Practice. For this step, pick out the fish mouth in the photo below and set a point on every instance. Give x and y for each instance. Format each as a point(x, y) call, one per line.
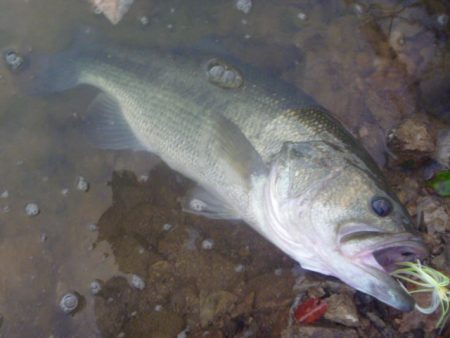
point(380, 256)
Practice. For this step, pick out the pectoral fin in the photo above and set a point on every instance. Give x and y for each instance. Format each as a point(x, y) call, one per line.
point(236, 151)
point(200, 202)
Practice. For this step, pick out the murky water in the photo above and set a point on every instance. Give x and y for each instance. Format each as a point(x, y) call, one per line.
point(371, 65)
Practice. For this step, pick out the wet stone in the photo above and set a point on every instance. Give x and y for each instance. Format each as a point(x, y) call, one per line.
point(137, 282)
point(69, 302)
point(342, 310)
point(435, 214)
point(144, 20)
point(95, 287)
point(207, 244)
point(243, 5)
point(13, 60)
point(215, 304)
point(318, 331)
point(442, 154)
point(32, 209)
point(414, 134)
point(160, 324)
point(82, 184)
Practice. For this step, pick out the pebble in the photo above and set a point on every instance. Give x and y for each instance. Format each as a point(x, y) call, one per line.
point(207, 244)
point(167, 227)
point(435, 214)
point(98, 11)
point(32, 209)
point(158, 308)
point(442, 153)
point(302, 16)
point(82, 184)
point(69, 302)
point(137, 282)
point(243, 5)
point(442, 19)
point(4, 194)
point(13, 60)
point(64, 192)
point(415, 134)
point(239, 268)
point(95, 287)
point(93, 227)
point(143, 178)
point(342, 310)
point(144, 20)
point(359, 9)
point(43, 237)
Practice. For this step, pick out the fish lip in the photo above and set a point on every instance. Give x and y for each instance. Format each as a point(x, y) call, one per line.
point(385, 287)
point(387, 253)
point(390, 291)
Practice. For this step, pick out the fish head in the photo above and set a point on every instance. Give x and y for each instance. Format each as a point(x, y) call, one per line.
point(329, 211)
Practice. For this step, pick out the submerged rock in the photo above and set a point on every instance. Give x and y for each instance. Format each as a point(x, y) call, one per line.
point(13, 60)
point(442, 153)
point(435, 214)
point(414, 134)
point(215, 304)
point(32, 209)
point(114, 10)
point(318, 331)
point(342, 310)
point(69, 302)
point(243, 5)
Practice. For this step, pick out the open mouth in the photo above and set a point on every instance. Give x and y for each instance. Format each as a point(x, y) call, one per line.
point(392, 253)
point(373, 255)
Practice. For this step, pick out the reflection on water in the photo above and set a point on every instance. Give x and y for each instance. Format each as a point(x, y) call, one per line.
point(371, 64)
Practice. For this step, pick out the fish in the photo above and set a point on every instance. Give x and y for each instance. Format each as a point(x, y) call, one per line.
point(259, 149)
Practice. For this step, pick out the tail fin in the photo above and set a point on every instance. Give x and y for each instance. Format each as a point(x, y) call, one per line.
point(44, 74)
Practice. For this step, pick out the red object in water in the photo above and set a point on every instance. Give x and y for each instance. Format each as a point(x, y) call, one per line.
point(310, 310)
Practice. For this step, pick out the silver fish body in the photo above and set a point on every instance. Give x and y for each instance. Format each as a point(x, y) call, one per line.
point(259, 149)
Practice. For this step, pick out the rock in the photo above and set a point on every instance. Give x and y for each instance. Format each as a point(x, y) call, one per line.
point(161, 324)
point(442, 153)
point(215, 304)
point(342, 310)
point(415, 320)
point(271, 291)
point(435, 214)
point(69, 302)
point(308, 331)
point(114, 10)
point(243, 5)
point(414, 134)
point(32, 209)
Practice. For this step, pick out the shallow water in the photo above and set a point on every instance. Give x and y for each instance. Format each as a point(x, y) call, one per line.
point(370, 65)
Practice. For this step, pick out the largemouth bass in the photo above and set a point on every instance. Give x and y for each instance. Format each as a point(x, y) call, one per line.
point(259, 149)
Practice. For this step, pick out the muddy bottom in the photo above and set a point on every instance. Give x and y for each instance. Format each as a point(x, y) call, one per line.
point(190, 276)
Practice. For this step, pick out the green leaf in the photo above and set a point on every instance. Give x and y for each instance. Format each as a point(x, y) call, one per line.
point(441, 183)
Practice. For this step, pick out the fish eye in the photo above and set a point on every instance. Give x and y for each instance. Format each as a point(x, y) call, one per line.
point(381, 206)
